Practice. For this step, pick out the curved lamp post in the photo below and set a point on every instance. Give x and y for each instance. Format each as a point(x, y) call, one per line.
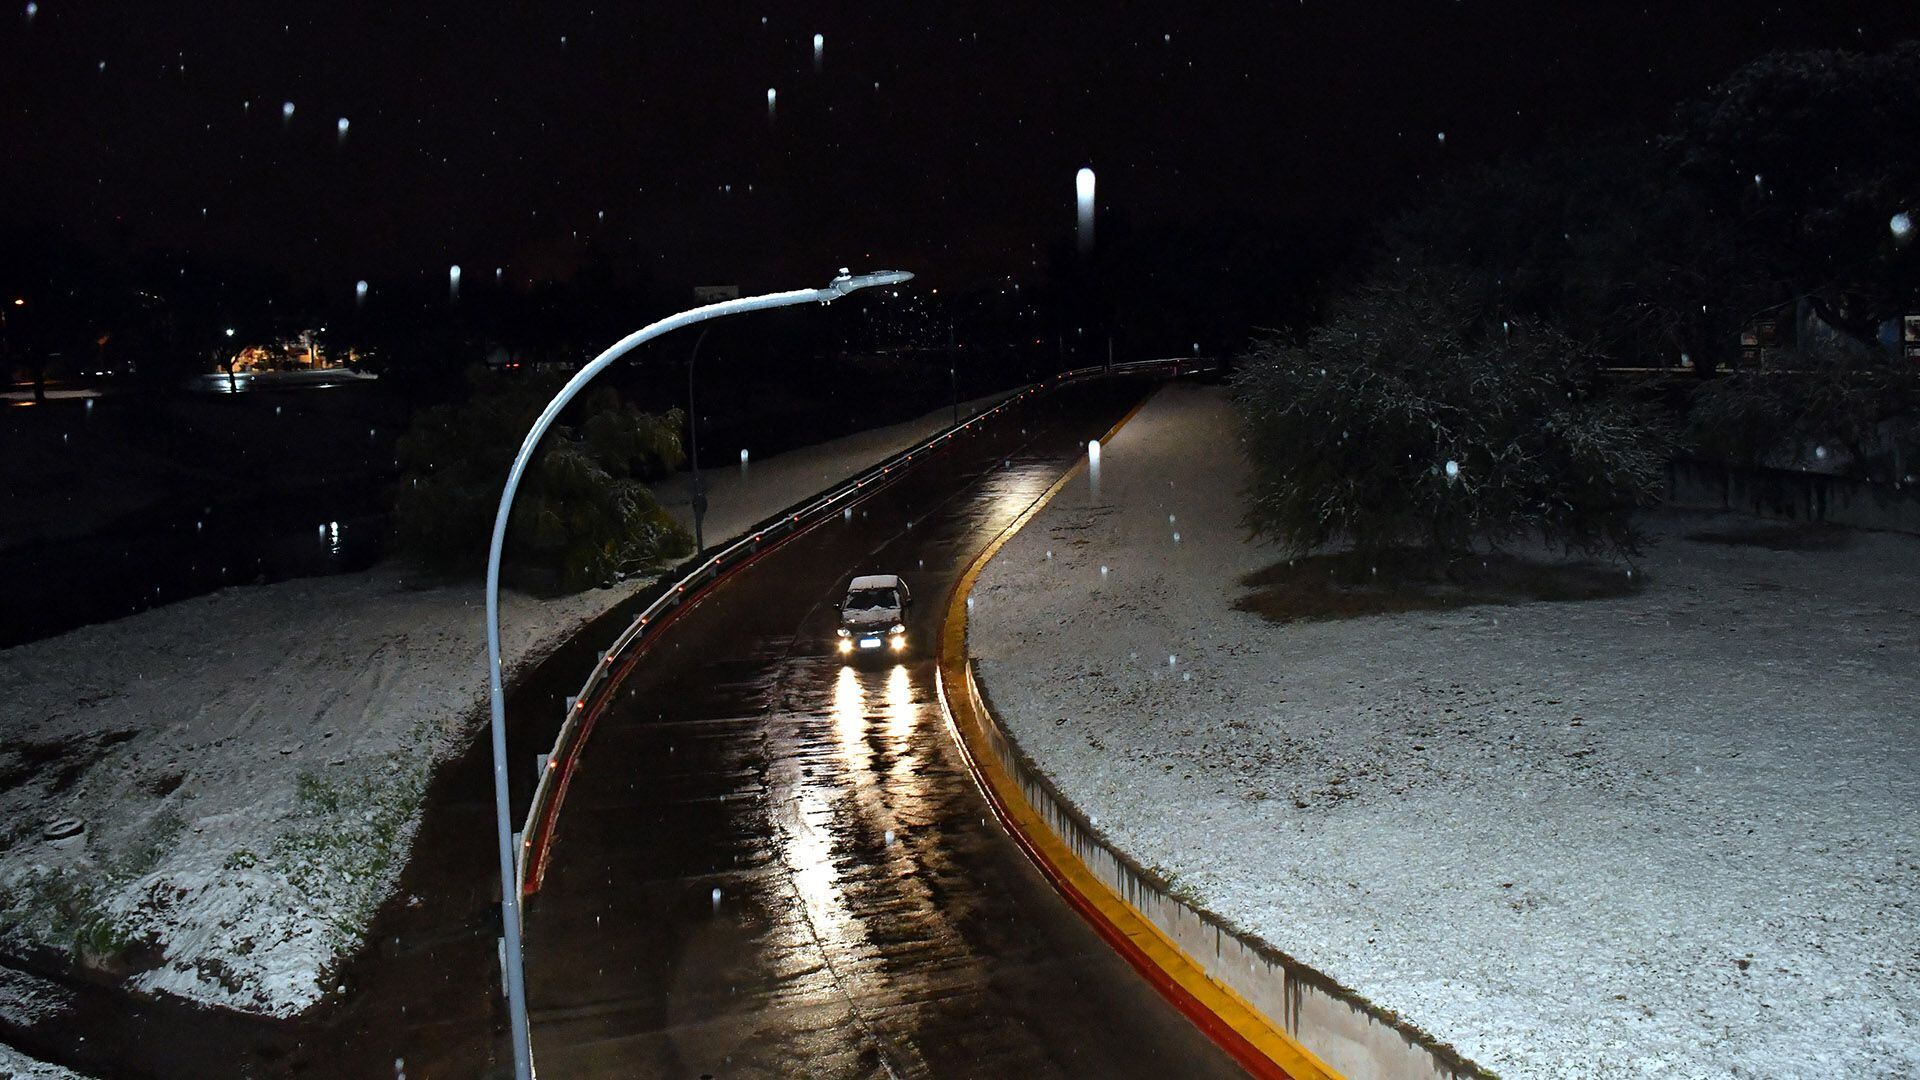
point(840, 286)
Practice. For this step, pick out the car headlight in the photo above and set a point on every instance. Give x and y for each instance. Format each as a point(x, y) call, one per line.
point(899, 628)
point(844, 632)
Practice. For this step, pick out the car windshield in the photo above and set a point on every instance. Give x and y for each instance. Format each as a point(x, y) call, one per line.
point(871, 600)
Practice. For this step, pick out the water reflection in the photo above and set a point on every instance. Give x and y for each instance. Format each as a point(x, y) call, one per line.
point(850, 796)
point(809, 835)
point(850, 716)
point(900, 713)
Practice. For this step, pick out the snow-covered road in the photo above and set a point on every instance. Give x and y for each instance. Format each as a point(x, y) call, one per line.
point(1671, 833)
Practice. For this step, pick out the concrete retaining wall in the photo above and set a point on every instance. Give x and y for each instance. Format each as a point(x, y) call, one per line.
point(1353, 1037)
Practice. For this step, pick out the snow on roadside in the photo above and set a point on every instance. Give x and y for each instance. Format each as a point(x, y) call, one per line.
point(15, 1065)
point(738, 499)
point(28, 1002)
point(248, 765)
point(1672, 833)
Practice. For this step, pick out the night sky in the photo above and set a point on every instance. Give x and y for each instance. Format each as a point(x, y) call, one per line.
point(941, 138)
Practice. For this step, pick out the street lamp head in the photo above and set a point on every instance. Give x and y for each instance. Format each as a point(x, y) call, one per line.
point(846, 281)
point(229, 331)
point(19, 301)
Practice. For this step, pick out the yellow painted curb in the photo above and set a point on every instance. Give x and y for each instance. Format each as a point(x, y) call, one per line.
point(1236, 1025)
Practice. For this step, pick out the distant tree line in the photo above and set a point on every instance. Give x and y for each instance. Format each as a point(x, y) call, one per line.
point(1455, 392)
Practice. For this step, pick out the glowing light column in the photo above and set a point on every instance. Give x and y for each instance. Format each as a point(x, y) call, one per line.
point(1083, 188)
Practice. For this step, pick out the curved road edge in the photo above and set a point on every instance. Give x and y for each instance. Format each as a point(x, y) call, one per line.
point(535, 838)
point(1276, 1016)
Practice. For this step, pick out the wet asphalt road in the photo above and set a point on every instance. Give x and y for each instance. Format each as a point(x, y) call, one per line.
point(873, 918)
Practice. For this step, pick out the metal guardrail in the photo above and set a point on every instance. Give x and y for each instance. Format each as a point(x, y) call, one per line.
point(549, 791)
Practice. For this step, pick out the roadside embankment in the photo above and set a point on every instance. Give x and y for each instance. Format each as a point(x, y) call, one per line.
point(211, 799)
point(1665, 832)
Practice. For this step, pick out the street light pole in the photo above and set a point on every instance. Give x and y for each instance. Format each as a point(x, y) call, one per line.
point(699, 499)
point(840, 286)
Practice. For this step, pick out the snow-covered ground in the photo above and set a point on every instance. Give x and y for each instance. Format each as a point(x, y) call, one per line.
point(1674, 833)
point(15, 1065)
point(28, 1002)
point(248, 765)
point(739, 498)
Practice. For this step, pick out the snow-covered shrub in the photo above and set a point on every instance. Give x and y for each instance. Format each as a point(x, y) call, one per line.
point(582, 513)
point(1851, 411)
point(1416, 416)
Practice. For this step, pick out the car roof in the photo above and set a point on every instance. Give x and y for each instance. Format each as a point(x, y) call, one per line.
point(876, 581)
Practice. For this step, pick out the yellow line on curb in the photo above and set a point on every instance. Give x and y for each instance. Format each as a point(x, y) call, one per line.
point(1070, 873)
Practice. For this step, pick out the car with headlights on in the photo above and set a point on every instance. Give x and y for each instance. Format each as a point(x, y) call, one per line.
point(873, 617)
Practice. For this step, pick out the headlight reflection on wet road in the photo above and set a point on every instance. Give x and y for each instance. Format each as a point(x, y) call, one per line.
point(873, 921)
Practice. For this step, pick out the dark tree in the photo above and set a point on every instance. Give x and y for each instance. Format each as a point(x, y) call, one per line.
point(1850, 411)
point(1415, 417)
point(583, 514)
point(1600, 239)
point(1812, 154)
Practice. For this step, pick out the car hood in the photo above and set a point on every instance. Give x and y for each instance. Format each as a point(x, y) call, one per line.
point(868, 619)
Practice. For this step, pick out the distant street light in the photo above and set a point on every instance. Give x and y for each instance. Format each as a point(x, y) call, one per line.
point(1083, 192)
point(840, 286)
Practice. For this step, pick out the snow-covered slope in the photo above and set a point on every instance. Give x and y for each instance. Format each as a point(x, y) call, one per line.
point(15, 1065)
point(248, 765)
point(1675, 833)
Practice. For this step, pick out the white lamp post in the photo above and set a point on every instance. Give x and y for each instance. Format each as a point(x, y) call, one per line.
point(840, 286)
